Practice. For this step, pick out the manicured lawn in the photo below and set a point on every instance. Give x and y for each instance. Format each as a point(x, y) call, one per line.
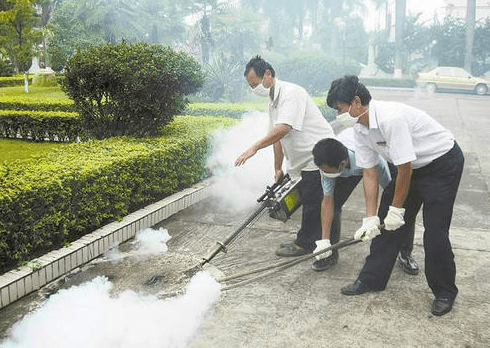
point(35, 92)
point(11, 150)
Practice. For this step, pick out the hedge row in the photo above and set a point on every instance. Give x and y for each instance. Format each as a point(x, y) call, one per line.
point(223, 109)
point(49, 201)
point(6, 81)
point(40, 125)
point(45, 104)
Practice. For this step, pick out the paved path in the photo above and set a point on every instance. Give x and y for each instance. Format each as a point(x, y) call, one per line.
point(302, 308)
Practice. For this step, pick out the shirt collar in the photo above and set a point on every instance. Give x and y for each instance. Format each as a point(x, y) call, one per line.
point(277, 90)
point(373, 120)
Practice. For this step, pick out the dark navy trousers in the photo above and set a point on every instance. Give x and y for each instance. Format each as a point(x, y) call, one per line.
point(434, 188)
point(311, 193)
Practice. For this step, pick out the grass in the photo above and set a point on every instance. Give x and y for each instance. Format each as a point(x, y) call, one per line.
point(35, 92)
point(13, 150)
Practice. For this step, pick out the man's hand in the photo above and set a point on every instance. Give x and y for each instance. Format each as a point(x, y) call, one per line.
point(279, 174)
point(320, 245)
point(394, 218)
point(245, 156)
point(369, 229)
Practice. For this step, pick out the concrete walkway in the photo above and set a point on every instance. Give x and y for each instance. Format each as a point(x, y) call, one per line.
point(299, 307)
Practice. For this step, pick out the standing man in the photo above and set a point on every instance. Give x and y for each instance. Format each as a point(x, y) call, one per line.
point(340, 176)
point(296, 125)
point(430, 165)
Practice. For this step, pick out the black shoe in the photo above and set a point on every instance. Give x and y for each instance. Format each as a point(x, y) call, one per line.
point(291, 249)
point(441, 306)
point(325, 263)
point(355, 289)
point(408, 264)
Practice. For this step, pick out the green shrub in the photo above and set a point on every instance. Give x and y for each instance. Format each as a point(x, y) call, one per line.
point(49, 200)
point(130, 89)
point(6, 67)
point(15, 80)
point(223, 109)
point(32, 104)
point(40, 125)
point(45, 80)
point(313, 71)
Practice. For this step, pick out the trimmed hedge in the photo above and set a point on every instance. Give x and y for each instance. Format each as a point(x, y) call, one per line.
point(223, 109)
point(46, 202)
point(14, 80)
point(45, 104)
point(40, 125)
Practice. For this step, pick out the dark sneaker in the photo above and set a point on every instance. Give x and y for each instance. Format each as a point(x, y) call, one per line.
point(408, 264)
point(324, 264)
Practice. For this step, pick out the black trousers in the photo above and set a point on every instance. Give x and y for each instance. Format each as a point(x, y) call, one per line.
point(311, 193)
point(435, 187)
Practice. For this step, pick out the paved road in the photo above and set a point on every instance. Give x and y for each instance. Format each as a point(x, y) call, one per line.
point(298, 307)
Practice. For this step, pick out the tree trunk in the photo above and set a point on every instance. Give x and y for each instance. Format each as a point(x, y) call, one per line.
point(401, 6)
point(470, 32)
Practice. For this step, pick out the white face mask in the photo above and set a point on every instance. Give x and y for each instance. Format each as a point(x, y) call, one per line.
point(261, 91)
point(346, 120)
point(331, 175)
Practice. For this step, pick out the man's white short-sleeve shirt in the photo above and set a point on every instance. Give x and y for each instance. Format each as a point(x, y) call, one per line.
point(400, 134)
point(293, 106)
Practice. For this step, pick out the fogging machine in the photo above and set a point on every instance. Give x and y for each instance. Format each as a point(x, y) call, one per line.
point(281, 199)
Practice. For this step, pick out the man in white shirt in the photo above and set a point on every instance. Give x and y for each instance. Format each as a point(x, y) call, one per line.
point(430, 165)
point(296, 126)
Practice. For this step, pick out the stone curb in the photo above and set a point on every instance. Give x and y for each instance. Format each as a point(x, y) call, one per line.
point(41, 271)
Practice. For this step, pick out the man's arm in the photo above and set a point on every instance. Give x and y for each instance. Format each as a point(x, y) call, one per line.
point(327, 215)
point(402, 184)
point(278, 158)
point(370, 184)
point(273, 137)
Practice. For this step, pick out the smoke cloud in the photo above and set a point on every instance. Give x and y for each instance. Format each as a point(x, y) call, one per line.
point(239, 187)
point(146, 243)
point(88, 316)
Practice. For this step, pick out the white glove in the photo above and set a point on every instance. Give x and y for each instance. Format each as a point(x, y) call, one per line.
point(394, 218)
point(320, 245)
point(369, 229)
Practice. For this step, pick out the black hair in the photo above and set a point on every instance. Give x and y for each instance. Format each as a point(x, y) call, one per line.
point(260, 66)
point(330, 152)
point(344, 90)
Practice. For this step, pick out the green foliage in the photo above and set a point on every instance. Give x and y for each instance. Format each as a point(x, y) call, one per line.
point(18, 34)
point(40, 125)
point(68, 34)
point(481, 48)
point(45, 80)
point(50, 200)
point(15, 150)
point(6, 67)
point(223, 109)
point(130, 89)
point(451, 42)
point(15, 80)
point(314, 71)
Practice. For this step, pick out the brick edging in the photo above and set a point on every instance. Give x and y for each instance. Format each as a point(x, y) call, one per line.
point(22, 281)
